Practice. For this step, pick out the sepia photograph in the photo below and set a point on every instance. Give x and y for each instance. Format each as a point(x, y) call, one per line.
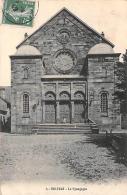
point(63, 97)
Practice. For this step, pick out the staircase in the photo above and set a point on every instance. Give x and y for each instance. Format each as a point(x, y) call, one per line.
point(94, 127)
point(62, 129)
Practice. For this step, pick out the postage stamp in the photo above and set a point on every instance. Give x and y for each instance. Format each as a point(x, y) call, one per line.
point(18, 12)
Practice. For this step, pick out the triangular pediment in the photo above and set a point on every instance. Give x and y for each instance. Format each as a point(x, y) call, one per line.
point(63, 17)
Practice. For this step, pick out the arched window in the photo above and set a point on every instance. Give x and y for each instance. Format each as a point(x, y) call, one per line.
point(25, 73)
point(104, 102)
point(25, 103)
point(64, 95)
point(79, 95)
point(50, 96)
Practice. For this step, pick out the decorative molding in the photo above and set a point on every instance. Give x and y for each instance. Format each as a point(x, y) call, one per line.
point(63, 36)
point(64, 61)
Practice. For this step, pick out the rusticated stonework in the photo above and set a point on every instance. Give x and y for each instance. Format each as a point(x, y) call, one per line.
point(57, 80)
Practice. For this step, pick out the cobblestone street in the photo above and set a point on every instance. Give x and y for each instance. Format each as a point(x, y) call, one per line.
point(56, 157)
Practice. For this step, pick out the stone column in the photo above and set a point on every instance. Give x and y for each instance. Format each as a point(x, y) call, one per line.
point(72, 103)
point(72, 112)
point(39, 113)
point(57, 104)
point(57, 112)
point(85, 112)
point(43, 112)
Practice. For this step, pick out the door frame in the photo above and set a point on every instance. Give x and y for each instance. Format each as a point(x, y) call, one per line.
point(51, 102)
point(66, 102)
point(83, 103)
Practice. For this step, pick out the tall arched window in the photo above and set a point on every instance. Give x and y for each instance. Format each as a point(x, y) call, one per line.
point(25, 103)
point(104, 102)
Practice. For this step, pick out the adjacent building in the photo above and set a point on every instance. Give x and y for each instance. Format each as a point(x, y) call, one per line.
point(5, 108)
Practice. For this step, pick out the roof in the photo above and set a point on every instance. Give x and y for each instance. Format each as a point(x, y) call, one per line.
point(27, 50)
point(6, 101)
point(101, 48)
point(76, 18)
point(3, 112)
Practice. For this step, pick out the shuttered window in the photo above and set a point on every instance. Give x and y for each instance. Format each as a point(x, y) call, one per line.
point(104, 102)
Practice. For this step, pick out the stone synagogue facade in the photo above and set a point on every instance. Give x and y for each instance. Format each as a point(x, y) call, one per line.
point(63, 74)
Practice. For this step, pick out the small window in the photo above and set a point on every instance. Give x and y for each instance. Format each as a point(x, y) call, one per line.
point(104, 102)
point(26, 73)
point(25, 103)
point(105, 71)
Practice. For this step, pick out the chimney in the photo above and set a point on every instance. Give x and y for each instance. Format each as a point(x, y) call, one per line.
point(25, 36)
point(102, 34)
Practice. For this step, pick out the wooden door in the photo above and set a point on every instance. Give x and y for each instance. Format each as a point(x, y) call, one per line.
point(50, 112)
point(65, 112)
point(79, 113)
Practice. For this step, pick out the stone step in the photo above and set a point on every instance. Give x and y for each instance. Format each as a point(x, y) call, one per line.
point(62, 128)
point(65, 125)
point(61, 132)
point(84, 128)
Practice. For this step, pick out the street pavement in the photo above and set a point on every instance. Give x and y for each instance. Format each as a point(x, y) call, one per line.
point(58, 158)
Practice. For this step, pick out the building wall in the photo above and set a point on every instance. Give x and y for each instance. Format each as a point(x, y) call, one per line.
point(5, 93)
point(49, 40)
point(4, 116)
point(21, 122)
point(64, 35)
point(102, 79)
point(3, 113)
point(64, 94)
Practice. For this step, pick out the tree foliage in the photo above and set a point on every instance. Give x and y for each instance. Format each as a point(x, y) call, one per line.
point(121, 83)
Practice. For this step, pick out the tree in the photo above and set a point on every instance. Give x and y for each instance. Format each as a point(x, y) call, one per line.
point(121, 83)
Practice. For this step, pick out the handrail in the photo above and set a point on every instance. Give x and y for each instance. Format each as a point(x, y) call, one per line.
point(91, 121)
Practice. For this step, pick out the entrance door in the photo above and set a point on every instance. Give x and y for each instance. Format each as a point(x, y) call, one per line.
point(79, 112)
point(65, 112)
point(50, 112)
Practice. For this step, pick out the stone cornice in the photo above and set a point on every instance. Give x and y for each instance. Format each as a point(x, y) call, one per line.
point(104, 55)
point(25, 57)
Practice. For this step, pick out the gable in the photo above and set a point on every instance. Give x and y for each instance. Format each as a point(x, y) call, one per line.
point(61, 18)
point(64, 42)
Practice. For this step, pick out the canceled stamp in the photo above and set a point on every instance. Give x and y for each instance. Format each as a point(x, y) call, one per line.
point(18, 12)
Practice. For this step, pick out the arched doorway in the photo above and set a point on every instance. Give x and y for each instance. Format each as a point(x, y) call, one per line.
point(50, 107)
point(65, 107)
point(79, 107)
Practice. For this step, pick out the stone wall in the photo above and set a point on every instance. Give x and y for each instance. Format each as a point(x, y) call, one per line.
point(65, 33)
point(21, 85)
point(62, 91)
point(102, 79)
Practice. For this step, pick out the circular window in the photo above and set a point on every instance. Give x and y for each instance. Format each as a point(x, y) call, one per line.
point(63, 36)
point(64, 61)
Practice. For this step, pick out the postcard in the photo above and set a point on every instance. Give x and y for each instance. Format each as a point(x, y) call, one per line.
point(63, 97)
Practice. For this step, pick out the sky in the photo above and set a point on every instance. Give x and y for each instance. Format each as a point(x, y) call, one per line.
point(109, 16)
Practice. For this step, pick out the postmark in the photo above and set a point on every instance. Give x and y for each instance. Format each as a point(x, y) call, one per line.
point(18, 12)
